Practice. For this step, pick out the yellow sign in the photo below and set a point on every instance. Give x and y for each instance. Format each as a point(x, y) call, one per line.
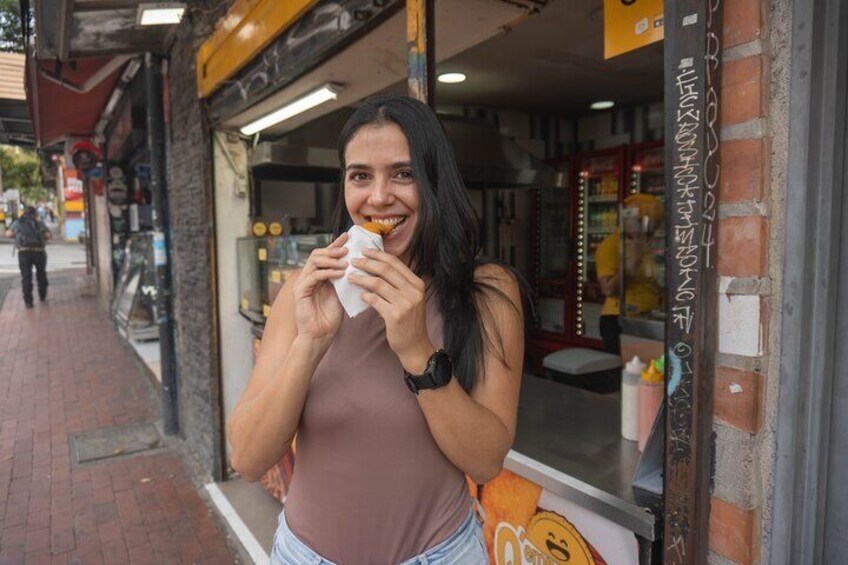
point(276, 228)
point(74, 206)
point(275, 276)
point(245, 304)
point(248, 27)
point(631, 24)
point(266, 310)
point(260, 229)
point(263, 254)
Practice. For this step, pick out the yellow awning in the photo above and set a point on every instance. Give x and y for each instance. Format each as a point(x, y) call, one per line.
point(248, 27)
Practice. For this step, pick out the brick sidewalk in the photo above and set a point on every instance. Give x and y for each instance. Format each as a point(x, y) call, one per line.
point(64, 369)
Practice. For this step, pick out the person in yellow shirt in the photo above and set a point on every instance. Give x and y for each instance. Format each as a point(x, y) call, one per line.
point(643, 215)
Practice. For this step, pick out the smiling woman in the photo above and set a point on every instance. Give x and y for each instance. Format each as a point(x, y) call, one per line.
point(393, 408)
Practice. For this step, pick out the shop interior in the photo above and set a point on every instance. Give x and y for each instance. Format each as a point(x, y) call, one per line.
point(124, 232)
point(548, 176)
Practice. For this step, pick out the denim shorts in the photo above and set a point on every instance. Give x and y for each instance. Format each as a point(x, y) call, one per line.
point(466, 546)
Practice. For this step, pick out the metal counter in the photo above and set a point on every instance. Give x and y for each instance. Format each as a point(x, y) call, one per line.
point(568, 441)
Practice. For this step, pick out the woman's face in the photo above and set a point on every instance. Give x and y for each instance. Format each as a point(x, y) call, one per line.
point(379, 185)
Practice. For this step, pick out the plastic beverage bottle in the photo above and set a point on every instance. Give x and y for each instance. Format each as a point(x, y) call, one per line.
point(630, 377)
point(650, 400)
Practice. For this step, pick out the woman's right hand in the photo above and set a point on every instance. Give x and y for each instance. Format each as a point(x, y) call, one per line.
point(318, 311)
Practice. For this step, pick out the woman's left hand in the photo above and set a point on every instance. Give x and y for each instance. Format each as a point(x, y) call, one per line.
point(398, 296)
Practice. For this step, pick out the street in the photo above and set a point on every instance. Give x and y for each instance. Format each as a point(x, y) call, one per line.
point(60, 256)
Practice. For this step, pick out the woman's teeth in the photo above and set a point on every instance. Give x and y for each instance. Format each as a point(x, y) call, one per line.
point(389, 221)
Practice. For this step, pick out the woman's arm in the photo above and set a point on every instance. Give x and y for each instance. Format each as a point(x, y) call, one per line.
point(258, 434)
point(476, 431)
point(304, 319)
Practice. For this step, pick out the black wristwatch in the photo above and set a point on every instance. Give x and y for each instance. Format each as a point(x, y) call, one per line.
point(438, 373)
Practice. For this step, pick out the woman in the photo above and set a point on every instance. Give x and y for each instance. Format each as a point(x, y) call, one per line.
point(386, 425)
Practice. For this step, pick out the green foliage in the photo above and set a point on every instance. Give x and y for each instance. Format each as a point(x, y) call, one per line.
point(11, 31)
point(21, 170)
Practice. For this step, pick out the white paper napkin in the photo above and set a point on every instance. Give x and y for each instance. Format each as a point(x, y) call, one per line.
point(358, 240)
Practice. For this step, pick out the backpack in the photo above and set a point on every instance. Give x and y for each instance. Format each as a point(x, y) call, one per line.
point(29, 234)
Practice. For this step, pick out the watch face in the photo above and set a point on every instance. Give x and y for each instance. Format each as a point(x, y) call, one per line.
point(441, 370)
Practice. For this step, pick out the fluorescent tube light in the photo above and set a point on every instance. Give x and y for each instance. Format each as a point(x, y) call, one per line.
point(451, 78)
point(324, 94)
point(160, 13)
point(602, 105)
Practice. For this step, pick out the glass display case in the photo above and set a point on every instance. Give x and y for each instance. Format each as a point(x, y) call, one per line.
point(134, 300)
point(553, 232)
point(264, 265)
point(598, 197)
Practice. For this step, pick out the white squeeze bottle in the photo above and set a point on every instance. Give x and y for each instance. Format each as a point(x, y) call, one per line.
point(630, 377)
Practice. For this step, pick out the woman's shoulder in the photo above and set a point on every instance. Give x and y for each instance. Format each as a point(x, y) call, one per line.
point(500, 278)
point(495, 273)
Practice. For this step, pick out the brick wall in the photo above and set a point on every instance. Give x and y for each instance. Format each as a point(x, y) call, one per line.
point(749, 270)
point(190, 202)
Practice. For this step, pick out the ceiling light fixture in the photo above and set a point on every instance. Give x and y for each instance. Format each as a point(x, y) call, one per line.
point(326, 93)
point(160, 13)
point(451, 78)
point(602, 105)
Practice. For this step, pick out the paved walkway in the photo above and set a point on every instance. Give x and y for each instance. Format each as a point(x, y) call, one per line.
point(64, 369)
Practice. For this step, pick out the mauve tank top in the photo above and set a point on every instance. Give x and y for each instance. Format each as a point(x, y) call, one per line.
point(370, 485)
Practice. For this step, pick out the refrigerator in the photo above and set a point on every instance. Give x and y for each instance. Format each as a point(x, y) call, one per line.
point(598, 194)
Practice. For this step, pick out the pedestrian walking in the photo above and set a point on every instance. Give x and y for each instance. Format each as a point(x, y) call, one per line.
point(31, 236)
point(391, 409)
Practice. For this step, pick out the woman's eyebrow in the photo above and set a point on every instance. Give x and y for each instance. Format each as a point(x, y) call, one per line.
point(359, 166)
point(401, 164)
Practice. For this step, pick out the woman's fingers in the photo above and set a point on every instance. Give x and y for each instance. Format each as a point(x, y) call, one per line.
point(396, 265)
point(378, 286)
point(339, 241)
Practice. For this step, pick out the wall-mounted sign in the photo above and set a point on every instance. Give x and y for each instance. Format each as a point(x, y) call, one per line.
point(631, 24)
point(73, 185)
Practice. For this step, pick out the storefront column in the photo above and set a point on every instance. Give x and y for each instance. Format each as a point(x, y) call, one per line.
point(161, 240)
point(692, 78)
point(421, 49)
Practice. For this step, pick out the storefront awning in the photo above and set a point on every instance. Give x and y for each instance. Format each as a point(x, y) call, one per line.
point(15, 122)
point(68, 99)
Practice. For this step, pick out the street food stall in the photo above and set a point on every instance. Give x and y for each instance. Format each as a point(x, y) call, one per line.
point(575, 488)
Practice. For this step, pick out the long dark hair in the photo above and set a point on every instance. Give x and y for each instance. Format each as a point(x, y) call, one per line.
point(445, 245)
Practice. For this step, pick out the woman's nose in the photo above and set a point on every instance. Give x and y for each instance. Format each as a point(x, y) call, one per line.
point(381, 193)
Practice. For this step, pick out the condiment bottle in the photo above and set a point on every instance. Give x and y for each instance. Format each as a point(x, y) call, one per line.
point(630, 377)
point(650, 400)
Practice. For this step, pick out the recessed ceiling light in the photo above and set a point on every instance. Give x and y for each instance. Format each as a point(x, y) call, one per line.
point(160, 13)
point(602, 105)
point(451, 78)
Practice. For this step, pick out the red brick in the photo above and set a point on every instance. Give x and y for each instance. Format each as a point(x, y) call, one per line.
point(742, 245)
point(734, 532)
point(743, 409)
point(742, 22)
point(37, 539)
point(741, 90)
point(741, 170)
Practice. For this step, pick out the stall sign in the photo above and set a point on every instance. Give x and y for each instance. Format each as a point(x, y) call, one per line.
point(73, 185)
point(528, 525)
point(96, 180)
point(631, 24)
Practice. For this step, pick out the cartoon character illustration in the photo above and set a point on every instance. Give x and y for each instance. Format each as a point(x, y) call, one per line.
point(557, 538)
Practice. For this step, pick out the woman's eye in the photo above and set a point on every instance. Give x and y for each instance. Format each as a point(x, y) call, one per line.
point(404, 175)
point(358, 177)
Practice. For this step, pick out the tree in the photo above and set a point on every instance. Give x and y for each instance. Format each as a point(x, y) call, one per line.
point(11, 30)
point(21, 170)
